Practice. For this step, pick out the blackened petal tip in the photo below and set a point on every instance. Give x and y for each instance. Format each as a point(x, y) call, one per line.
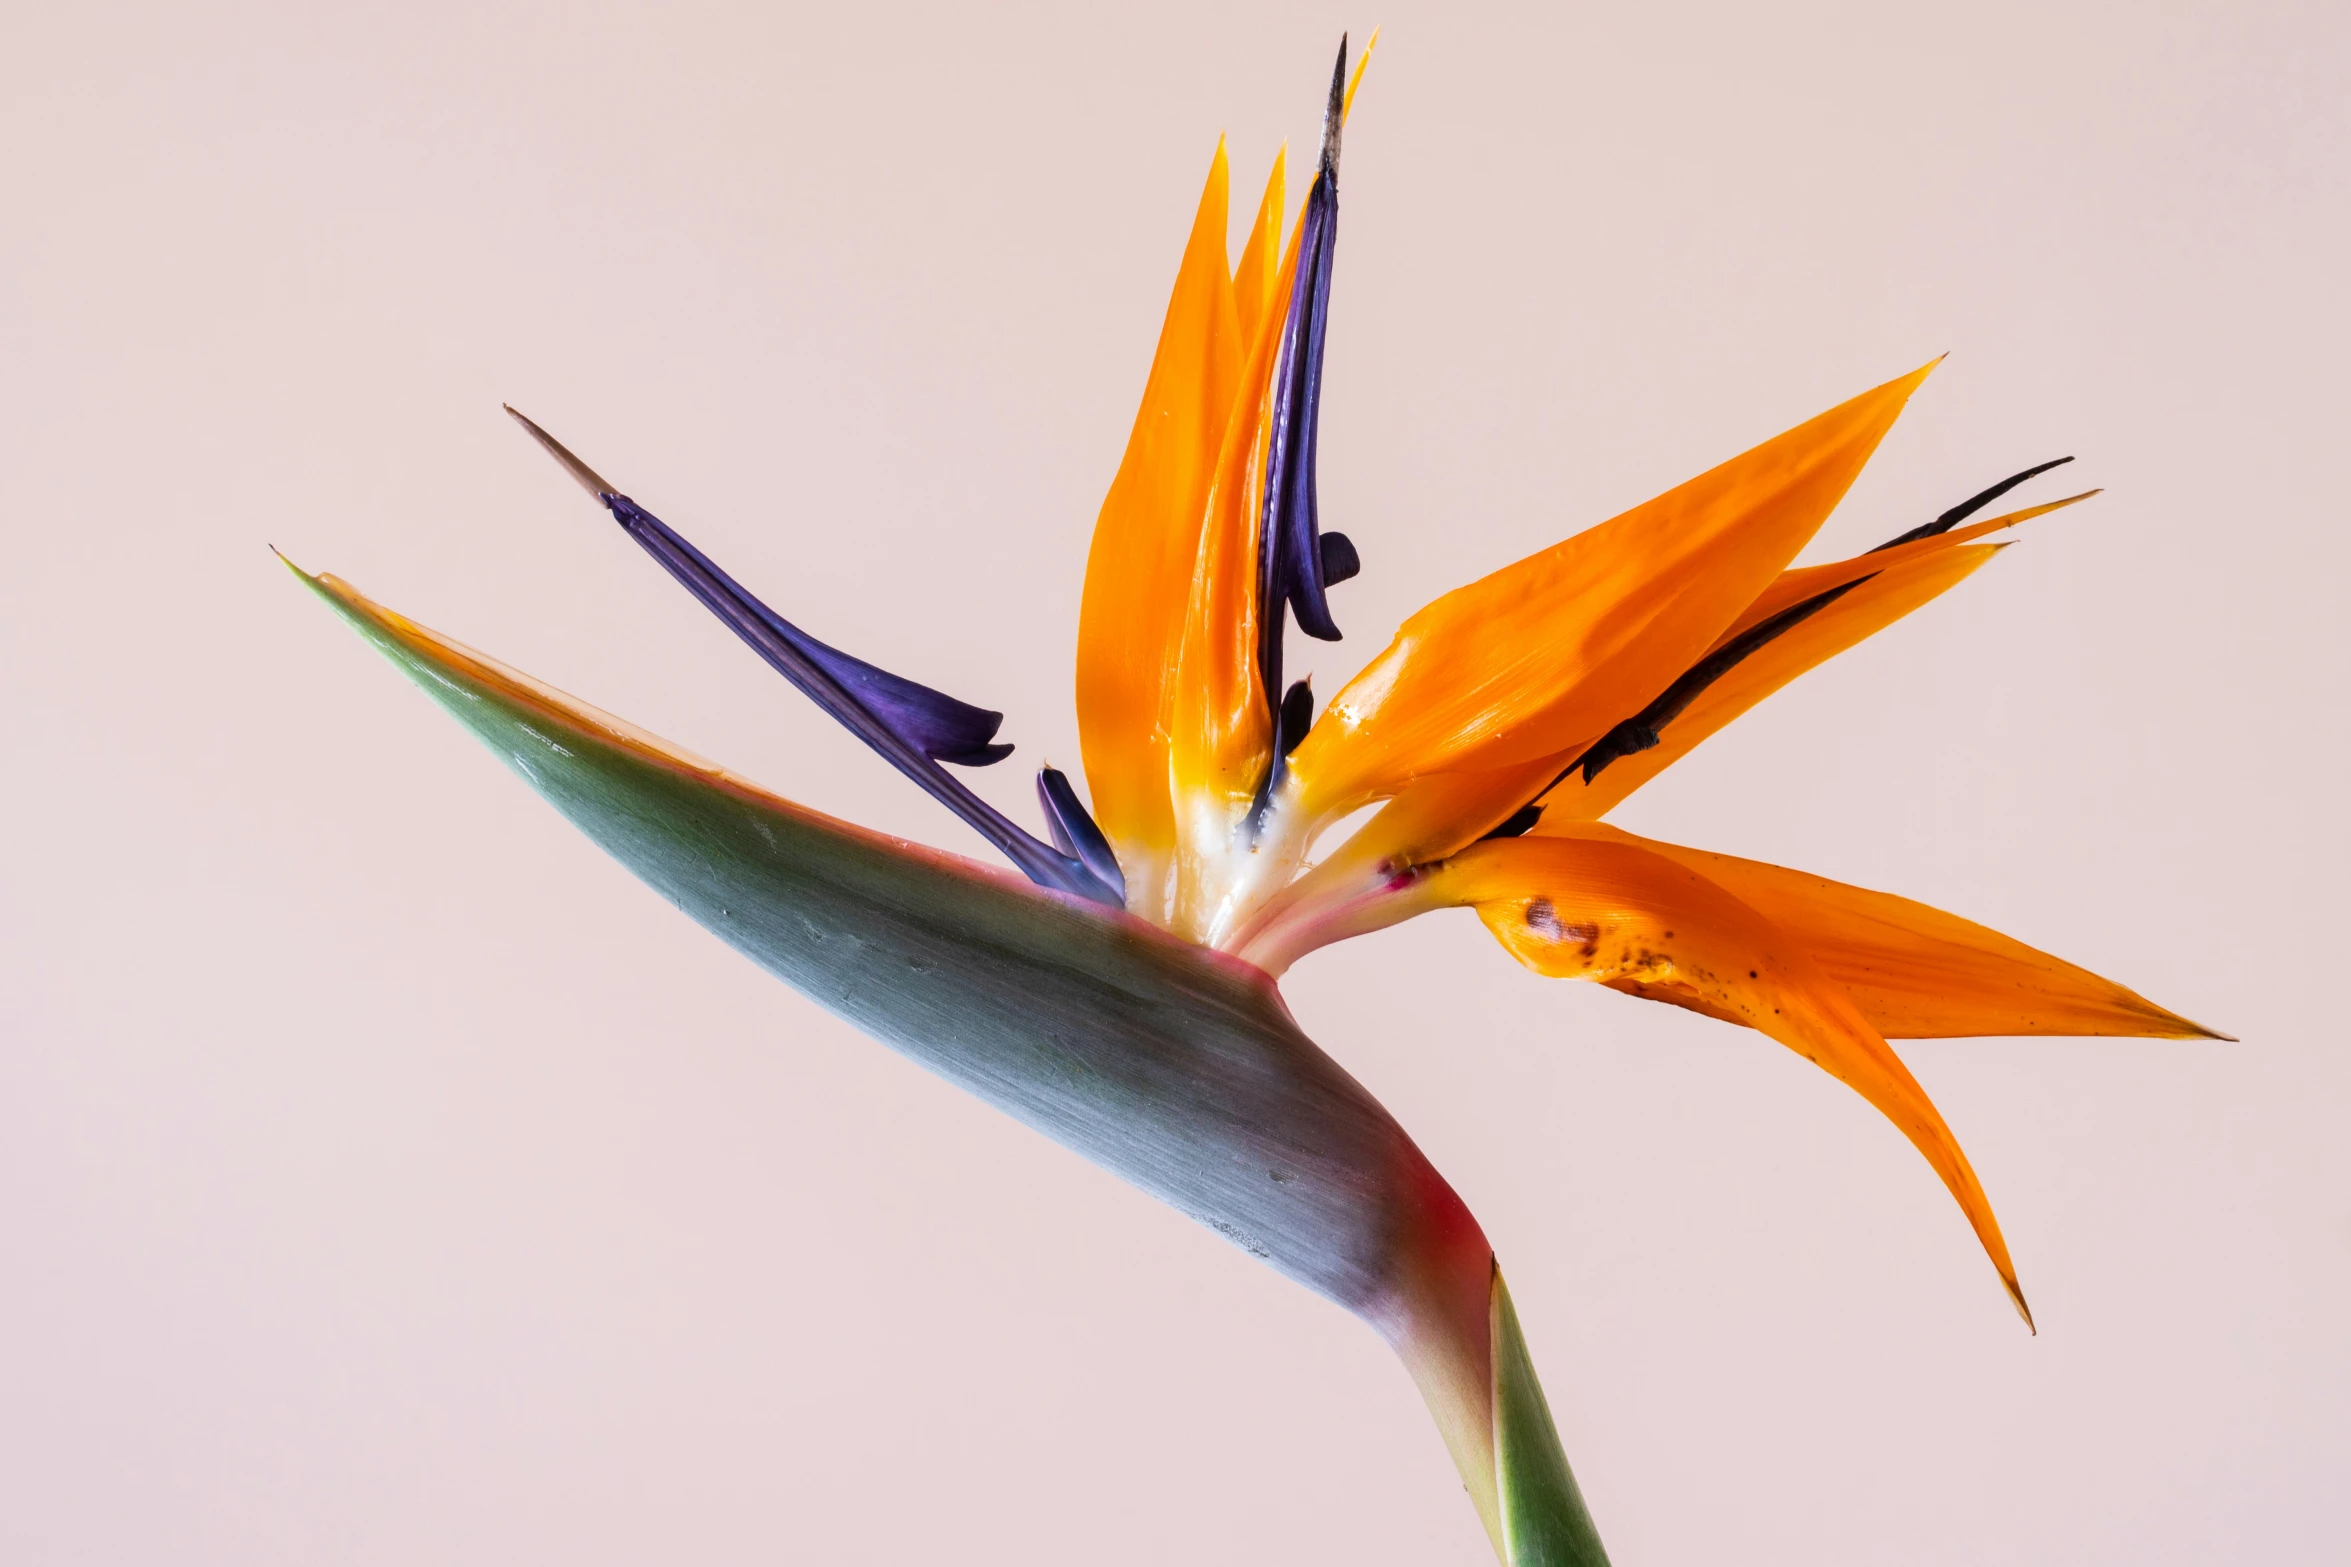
point(588, 478)
point(1334, 114)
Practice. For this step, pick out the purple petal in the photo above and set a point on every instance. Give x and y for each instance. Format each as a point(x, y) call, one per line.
point(912, 726)
point(1074, 831)
point(1296, 561)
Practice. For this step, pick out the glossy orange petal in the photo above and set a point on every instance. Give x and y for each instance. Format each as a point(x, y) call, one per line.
point(1552, 650)
point(1146, 545)
point(1261, 256)
point(1868, 609)
point(1219, 731)
point(1428, 819)
point(1355, 82)
point(1610, 909)
point(1916, 972)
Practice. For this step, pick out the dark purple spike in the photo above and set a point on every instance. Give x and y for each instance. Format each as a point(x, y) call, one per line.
point(1969, 507)
point(1074, 831)
point(912, 726)
point(1292, 568)
point(1291, 573)
point(1645, 729)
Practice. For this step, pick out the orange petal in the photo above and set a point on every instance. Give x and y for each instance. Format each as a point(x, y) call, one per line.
point(1609, 909)
point(1253, 279)
point(1554, 649)
point(1355, 82)
point(1794, 587)
point(1438, 815)
point(1146, 542)
point(1868, 609)
point(1219, 730)
point(1916, 972)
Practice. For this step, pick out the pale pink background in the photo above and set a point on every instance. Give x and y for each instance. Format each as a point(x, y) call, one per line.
point(385, 1177)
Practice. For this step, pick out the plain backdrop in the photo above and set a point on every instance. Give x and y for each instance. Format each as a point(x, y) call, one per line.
point(385, 1177)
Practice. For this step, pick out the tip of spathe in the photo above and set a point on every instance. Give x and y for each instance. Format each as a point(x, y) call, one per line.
point(586, 477)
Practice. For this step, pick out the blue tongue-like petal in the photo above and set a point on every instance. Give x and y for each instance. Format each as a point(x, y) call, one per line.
point(914, 727)
point(931, 722)
point(1296, 561)
point(1293, 567)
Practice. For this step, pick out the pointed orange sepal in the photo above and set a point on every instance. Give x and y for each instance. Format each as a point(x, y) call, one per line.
point(1868, 609)
point(1261, 257)
point(1551, 651)
point(1608, 908)
point(1794, 587)
point(1219, 731)
point(1916, 972)
point(1146, 542)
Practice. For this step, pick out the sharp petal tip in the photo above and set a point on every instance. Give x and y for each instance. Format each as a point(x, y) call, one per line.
point(586, 477)
point(2016, 1299)
point(1334, 114)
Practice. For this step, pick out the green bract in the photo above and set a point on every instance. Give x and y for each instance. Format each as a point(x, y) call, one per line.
point(1175, 1067)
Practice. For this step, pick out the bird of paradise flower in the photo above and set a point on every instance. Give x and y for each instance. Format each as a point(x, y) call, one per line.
point(1122, 999)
